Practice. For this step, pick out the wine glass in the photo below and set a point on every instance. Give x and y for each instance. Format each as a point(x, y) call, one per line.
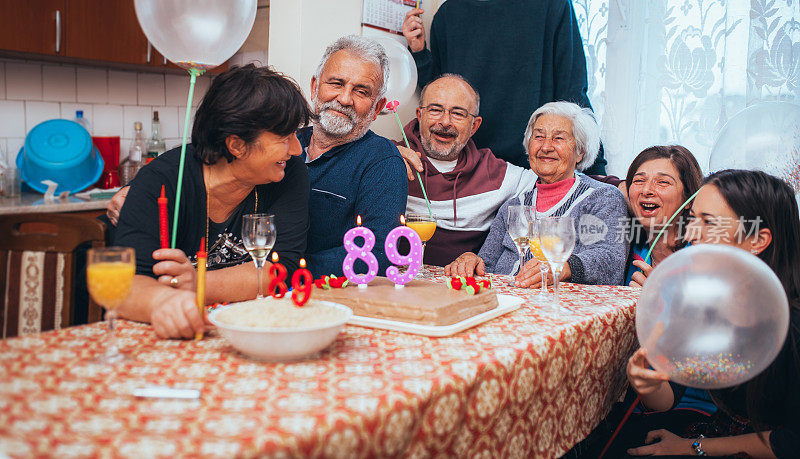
point(518, 228)
point(424, 225)
point(109, 275)
point(258, 236)
point(536, 250)
point(557, 239)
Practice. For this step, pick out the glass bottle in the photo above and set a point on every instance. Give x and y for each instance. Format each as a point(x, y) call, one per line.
point(135, 160)
point(156, 144)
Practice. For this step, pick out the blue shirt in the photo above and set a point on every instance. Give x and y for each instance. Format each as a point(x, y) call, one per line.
point(365, 177)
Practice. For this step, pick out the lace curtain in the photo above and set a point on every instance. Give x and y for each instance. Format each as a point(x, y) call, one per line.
point(674, 71)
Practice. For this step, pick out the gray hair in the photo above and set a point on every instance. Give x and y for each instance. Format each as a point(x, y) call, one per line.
point(365, 48)
point(459, 78)
point(584, 129)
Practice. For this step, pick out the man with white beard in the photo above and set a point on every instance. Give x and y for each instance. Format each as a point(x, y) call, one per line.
point(353, 171)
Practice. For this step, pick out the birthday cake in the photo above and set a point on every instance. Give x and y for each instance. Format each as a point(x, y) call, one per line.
point(419, 301)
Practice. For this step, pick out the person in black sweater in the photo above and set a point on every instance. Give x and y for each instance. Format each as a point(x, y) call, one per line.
point(518, 55)
point(243, 159)
point(760, 418)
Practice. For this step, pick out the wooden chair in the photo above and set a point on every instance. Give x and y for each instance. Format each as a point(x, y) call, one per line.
point(37, 270)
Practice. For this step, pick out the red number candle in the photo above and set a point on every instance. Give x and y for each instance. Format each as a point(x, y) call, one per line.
point(301, 292)
point(277, 277)
point(163, 230)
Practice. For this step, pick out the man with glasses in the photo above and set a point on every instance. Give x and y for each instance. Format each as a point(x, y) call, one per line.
point(519, 55)
point(465, 185)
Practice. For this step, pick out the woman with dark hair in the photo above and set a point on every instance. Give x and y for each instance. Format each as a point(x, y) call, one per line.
point(760, 418)
point(660, 179)
point(242, 160)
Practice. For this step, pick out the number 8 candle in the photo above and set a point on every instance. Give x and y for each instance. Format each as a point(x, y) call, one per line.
point(413, 259)
point(363, 253)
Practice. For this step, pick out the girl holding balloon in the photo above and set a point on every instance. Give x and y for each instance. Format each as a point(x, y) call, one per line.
point(761, 417)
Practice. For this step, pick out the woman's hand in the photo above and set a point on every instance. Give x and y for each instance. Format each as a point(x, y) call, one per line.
point(644, 380)
point(639, 277)
point(175, 269)
point(177, 315)
point(412, 160)
point(668, 444)
point(115, 204)
point(468, 264)
point(531, 275)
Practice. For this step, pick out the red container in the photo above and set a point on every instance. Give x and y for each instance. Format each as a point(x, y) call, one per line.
point(109, 150)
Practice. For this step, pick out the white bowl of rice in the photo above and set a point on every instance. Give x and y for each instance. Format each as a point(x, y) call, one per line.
point(276, 330)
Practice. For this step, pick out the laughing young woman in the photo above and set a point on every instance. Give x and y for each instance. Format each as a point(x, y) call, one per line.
point(659, 180)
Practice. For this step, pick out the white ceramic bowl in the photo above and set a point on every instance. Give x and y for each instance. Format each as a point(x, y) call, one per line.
point(280, 344)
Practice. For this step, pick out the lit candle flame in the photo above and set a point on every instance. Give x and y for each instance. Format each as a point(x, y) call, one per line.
point(403, 220)
point(274, 257)
point(303, 263)
point(358, 220)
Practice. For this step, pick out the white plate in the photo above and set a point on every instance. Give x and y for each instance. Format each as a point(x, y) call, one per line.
point(505, 303)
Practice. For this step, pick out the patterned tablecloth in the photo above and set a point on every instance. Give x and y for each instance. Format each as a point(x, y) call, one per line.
point(530, 383)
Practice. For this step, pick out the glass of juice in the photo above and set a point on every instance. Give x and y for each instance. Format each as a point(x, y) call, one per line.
point(424, 225)
point(109, 275)
point(536, 251)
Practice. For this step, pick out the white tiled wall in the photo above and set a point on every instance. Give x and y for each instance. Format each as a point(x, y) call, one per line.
point(32, 92)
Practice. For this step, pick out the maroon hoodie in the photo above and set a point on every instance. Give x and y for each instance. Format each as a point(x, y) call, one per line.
point(464, 200)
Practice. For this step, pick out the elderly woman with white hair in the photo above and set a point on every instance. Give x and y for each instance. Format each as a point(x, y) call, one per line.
point(561, 140)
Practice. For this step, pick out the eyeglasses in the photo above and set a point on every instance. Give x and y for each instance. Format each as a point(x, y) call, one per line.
point(436, 111)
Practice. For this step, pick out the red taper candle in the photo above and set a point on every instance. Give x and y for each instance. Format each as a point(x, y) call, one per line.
point(163, 229)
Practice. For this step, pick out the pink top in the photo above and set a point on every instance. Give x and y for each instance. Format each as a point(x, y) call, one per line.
point(549, 194)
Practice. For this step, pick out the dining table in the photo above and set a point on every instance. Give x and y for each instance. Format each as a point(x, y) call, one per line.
point(530, 383)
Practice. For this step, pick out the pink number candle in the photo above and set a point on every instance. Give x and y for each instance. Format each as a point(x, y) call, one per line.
point(413, 259)
point(363, 253)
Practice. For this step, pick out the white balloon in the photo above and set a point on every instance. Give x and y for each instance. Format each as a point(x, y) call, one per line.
point(402, 71)
point(712, 316)
point(765, 137)
point(198, 34)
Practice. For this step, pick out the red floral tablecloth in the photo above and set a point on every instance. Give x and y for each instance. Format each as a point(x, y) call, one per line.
point(530, 383)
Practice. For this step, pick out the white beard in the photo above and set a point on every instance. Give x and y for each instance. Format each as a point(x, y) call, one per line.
point(339, 126)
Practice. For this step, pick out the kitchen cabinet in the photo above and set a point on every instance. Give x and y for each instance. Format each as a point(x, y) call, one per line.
point(105, 31)
point(79, 31)
point(32, 26)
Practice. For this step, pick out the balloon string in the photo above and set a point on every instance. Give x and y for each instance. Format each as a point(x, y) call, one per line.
point(669, 222)
point(193, 74)
point(619, 427)
point(419, 179)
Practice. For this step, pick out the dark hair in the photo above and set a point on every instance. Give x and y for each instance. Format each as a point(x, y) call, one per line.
point(769, 202)
point(245, 101)
point(690, 174)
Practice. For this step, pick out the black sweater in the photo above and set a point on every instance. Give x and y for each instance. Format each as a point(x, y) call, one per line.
point(138, 221)
point(518, 55)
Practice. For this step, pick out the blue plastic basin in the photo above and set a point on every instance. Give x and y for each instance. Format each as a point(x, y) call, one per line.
point(61, 151)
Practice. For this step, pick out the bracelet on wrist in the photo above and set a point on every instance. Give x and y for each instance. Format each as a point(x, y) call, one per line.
point(697, 446)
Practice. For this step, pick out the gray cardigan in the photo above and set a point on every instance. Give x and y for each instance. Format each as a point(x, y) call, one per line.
point(601, 248)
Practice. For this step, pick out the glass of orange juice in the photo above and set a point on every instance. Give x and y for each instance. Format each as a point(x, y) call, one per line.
point(536, 250)
point(109, 275)
point(424, 225)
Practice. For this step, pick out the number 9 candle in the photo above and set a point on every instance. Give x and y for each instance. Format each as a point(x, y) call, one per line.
point(363, 253)
point(413, 259)
point(301, 291)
